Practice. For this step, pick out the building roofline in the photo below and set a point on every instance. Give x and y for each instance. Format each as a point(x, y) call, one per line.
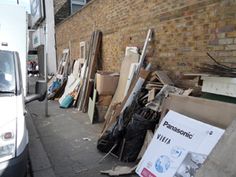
point(84, 7)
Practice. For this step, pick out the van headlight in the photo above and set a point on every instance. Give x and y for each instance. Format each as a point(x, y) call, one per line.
point(7, 150)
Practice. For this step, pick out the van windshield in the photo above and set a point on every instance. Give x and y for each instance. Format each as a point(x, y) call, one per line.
point(7, 72)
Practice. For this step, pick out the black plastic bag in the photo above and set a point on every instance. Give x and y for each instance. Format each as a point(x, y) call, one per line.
point(135, 136)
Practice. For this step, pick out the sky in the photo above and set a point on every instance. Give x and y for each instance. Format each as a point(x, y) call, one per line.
point(25, 3)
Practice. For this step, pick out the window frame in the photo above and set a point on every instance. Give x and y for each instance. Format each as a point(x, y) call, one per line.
point(74, 2)
point(78, 3)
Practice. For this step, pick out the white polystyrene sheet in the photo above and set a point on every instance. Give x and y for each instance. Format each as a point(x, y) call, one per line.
point(131, 49)
point(72, 83)
point(179, 147)
point(134, 92)
point(219, 85)
point(133, 69)
point(76, 69)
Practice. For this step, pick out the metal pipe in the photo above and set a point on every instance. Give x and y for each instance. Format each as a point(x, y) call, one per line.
point(144, 51)
point(45, 66)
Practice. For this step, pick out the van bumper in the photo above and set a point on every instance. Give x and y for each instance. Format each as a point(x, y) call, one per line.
point(16, 167)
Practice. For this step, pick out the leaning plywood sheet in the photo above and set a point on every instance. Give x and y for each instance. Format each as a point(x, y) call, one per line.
point(133, 91)
point(216, 113)
point(124, 72)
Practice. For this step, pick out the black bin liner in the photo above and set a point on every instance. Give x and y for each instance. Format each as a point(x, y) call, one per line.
point(135, 136)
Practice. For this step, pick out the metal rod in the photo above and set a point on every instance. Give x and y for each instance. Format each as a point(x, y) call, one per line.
point(46, 79)
point(45, 69)
point(114, 146)
point(144, 51)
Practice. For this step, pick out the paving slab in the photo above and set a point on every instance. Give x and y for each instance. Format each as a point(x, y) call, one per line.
point(40, 164)
point(69, 140)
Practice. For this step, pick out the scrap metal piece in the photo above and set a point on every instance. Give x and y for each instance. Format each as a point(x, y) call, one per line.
point(155, 105)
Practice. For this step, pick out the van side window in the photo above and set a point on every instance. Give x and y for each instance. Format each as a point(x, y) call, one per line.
point(7, 72)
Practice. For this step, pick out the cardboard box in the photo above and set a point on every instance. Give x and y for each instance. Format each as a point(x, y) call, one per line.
point(106, 82)
point(104, 100)
point(179, 147)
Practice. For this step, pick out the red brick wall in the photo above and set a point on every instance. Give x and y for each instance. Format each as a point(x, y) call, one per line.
point(184, 30)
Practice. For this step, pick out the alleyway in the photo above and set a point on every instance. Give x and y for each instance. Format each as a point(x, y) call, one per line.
point(69, 141)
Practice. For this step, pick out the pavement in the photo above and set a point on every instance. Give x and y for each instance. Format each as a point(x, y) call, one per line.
point(64, 144)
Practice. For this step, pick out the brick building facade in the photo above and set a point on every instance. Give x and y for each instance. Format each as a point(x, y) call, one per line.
point(184, 31)
point(62, 9)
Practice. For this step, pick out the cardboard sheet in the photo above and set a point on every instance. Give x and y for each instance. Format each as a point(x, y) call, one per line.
point(216, 113)
point(179, 147)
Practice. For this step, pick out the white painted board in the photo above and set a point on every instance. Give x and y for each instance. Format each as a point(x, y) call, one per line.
point(219, 85)
point(132, 70)
point(131, 49)
point(179, 147)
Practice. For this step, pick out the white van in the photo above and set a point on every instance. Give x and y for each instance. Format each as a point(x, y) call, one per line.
point(13, 132)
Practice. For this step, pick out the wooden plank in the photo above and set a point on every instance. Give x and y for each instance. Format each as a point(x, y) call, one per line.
point(162, 75)
point(83, 86)
point(151, 95)
point(92, 67)
point(85, 76)
point(216, 113)
point(91, 106)
point(124, 71)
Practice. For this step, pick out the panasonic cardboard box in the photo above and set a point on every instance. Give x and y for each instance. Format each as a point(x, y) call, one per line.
point(179, 147)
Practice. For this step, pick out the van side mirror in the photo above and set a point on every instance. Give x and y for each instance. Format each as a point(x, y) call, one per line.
point(40, 92)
